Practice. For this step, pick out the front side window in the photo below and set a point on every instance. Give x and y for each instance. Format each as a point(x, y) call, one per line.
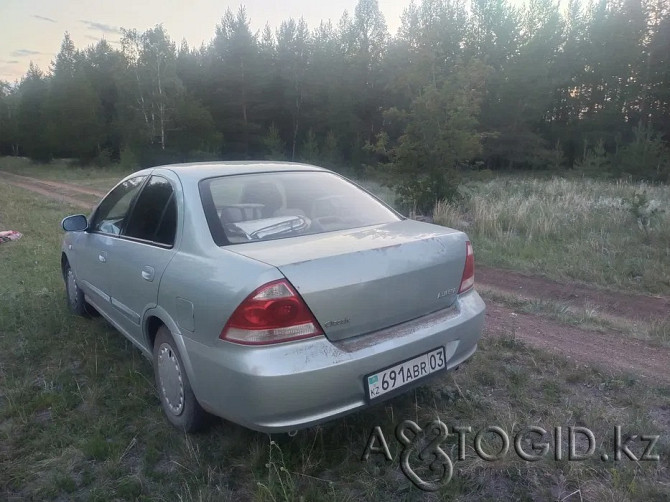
point(112, 212)
point(154, 216)
point(256, 207)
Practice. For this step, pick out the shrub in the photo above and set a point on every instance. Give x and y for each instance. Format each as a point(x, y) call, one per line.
point(128, 159)
point(644, 211)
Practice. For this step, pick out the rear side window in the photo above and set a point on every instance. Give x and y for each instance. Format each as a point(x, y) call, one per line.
point(264, 206)
point(112, 213)
point(154, 217)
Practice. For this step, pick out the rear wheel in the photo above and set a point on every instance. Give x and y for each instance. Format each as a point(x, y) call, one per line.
point(174, 389)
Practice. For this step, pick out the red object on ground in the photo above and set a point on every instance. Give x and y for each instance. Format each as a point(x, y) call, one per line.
point(9, 235)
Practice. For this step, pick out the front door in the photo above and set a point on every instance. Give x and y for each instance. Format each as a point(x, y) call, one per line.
point(91, 248)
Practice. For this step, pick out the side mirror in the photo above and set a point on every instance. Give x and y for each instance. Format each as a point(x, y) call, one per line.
point(75, 223)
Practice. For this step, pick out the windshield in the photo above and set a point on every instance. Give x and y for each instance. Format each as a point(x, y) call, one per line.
point(257, 207)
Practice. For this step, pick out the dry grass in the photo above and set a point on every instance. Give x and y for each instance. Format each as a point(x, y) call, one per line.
point(568, 229)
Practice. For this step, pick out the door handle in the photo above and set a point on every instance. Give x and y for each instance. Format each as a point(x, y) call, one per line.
point(102, 256)
point(148, 273)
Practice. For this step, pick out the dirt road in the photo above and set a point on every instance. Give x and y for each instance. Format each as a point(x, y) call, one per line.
point(614, 352)
point(63, 192)
point(610, 303)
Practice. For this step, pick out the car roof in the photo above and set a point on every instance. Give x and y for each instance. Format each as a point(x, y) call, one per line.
point(195, 171)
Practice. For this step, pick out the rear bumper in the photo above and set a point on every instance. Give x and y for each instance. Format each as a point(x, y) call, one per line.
point(300, 384)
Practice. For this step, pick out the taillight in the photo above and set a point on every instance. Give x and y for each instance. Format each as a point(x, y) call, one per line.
point(468, 279)
point(273, 313)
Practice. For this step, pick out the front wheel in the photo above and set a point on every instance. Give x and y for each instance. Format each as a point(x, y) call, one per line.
point(174, 389)
point(75, 296)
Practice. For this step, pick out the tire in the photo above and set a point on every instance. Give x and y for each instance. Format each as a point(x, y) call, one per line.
point(174, 389)
point(75, 296)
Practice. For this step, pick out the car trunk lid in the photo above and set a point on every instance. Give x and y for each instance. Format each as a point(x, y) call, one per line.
point(362, 280)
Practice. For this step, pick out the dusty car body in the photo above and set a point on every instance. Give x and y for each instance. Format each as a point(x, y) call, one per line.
point(274, 295)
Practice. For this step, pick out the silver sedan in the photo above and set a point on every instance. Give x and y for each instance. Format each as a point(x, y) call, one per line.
point(274, 295)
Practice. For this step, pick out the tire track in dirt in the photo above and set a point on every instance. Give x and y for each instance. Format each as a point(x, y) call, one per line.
point(67, 187)
point(609, 351)
point(49, 193)
point(631, 306)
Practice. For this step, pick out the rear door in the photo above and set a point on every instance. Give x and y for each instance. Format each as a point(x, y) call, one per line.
point(139, 258)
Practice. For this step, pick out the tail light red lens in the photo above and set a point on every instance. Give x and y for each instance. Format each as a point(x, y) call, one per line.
point(468, 279)
point(273, 313)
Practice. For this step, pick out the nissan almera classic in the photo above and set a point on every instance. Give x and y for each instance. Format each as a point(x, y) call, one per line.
point(274, 295)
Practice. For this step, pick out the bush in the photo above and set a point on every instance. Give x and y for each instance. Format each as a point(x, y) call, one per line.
point(646, 157)
point(644, 211)
point(420, 194)
point(128, 160)
point(104, 158)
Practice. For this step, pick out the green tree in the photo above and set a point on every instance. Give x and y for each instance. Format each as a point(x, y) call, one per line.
point(9, 127)
point(595, 161)
point(366, 45)
point(151, 58)
point(610, 83)
point(105, 69)
point(430, 44)
point(523, 83)
point(656, 94)
point(330, 155)
point(647, 156)
point(234, 83)
point(73, 114)
point(32, 115)
point(310, 148)
point(274, 144)
point(440, 135)
point(193, 131)
point(332, 94)
point(293, 58)
point(555, 80)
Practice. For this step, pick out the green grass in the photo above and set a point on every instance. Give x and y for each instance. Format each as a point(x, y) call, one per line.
point(80, 419)
point(568, 229)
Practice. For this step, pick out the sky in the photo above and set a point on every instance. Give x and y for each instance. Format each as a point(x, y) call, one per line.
point(32, 30)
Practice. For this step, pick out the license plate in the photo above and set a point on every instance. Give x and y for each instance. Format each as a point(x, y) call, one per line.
point(405, 373)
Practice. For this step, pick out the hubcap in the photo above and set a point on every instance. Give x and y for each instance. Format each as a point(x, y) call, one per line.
point(71, 287)
point(169, 374)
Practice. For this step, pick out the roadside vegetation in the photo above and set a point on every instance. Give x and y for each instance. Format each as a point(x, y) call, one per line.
point(80, 419)
point(614, 234)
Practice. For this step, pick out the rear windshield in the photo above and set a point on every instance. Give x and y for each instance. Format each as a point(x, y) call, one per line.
point(258, 207)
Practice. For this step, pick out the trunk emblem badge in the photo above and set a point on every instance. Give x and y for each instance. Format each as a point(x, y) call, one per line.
point(446, 292)
point(330, 324)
